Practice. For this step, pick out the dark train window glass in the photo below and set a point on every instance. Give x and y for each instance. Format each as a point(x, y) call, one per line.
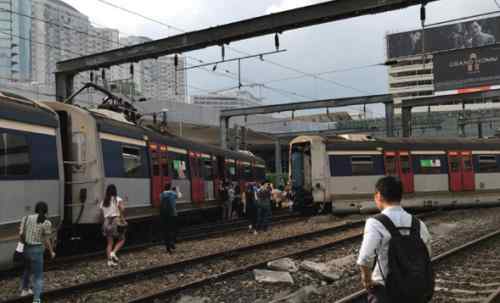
point(156, 163)
point(132, 161)
point(430, 165)
point(405, 164)
point(208, 169)
point(164, 165)
point(362, 165)
point(231, 170)
point(390, 166)
point(488, 164)
point(260, 173)
point(14, 155)
point(247, 171)
point(467, 162)
point(179, 166)
point(454, 164)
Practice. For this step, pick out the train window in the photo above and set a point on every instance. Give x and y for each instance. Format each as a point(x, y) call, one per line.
point(247, 171)
point(362, 165)
point(132, 162)
point(14, 155)
point(488, 164)
point(156, 163)
point(231, 170)
point(390, 166)
point(164, 165)
point(207, 168)
point(405, 164)
point(455, 164)
point(467, 162)
point(179, 166)
point(430, 165)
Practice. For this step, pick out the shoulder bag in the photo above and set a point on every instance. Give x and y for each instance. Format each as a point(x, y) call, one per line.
point(18, 256)
point(121, 223)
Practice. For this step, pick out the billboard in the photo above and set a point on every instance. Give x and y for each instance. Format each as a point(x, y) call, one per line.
point(468, 34)
point(463, 69)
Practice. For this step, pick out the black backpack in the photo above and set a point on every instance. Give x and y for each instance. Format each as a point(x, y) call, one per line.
point(410, 278)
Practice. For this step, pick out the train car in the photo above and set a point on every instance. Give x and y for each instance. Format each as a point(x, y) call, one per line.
point(31, 168)
point(435, 172)
point(100, 148)
point(66, 155)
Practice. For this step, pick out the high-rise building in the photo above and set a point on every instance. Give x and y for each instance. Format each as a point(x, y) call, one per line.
point(156, 79)
point(36, 34)
point(61, 32)
point(15, 45)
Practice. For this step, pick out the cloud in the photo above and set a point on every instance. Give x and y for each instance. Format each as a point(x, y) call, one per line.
point(284, 5)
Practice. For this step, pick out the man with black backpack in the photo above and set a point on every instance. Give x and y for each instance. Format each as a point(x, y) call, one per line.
point(168, 216)
point(395, 254)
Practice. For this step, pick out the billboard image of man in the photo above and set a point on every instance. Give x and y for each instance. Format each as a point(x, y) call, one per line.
point(477, 37)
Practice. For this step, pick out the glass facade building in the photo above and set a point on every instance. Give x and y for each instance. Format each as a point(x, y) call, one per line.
point(15, 35)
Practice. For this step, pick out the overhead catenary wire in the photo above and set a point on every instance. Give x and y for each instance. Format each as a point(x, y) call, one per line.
point(236, 50)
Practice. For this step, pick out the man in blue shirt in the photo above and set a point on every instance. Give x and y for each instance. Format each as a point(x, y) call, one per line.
point(168, 216)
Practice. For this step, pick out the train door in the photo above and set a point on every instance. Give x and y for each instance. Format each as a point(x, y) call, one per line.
point(399, 164)
point(467, 171)
point(455, 171)
point(196, 180)
point(218, 175)
point(406, 171)
point(166, 178)
point(156, 182)
point(461, 173)
point(301, 168)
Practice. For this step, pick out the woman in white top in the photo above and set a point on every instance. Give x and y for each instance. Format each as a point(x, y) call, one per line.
point(112, 209)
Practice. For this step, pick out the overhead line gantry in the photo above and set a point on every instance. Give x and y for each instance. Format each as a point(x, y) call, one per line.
point(224, 34)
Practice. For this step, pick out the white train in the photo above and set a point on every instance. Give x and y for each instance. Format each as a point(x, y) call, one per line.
point(435, 172)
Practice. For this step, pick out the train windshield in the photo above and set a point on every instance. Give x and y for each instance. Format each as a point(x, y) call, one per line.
point(301, 165)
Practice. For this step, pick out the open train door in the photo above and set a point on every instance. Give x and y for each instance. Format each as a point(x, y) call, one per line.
point(156, 182)
point(398, 164)
point(218, 175)
point(160, 176)
point(197, 192)
point(164, 167)
point(455, 171)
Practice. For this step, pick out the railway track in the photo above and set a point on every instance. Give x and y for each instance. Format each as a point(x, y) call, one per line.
point(468, 273)
point(220, 286)
point(188, 268)
point(187, 234)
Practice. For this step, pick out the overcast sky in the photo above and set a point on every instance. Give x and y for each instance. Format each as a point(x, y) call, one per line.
point(332, 46)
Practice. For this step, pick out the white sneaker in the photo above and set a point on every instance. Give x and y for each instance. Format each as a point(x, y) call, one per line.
point(113, 257)
point(26, 292)
point(112, 263)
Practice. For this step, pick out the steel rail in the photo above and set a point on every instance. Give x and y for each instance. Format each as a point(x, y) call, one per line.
point(241, 270)
point(360, 296)
point(121, 279)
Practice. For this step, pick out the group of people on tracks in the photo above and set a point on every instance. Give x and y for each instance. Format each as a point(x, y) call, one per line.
point(394, 258)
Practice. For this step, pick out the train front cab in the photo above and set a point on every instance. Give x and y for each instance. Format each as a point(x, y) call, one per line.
point(307, 167)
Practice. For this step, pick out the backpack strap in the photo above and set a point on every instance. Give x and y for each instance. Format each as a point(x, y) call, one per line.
point(415, 226)
point(387, 222)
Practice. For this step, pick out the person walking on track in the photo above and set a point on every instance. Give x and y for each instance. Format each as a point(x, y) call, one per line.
point(113, 228)
point(399, 246)
point(168, 216)
point(35, 232)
